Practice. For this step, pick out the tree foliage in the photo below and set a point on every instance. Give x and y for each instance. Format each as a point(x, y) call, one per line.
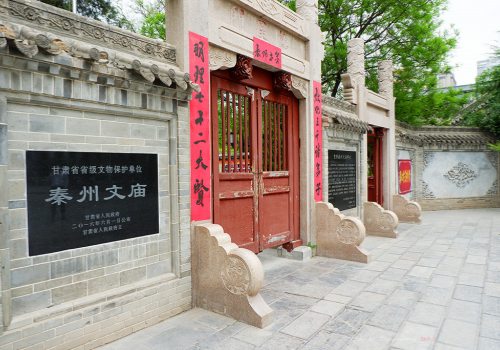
point(153, 14)
point(484, 111)
point(405, 32)
point(101, 10)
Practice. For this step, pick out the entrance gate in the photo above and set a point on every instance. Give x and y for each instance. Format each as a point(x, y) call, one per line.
point(375, 172)
point(255, 161)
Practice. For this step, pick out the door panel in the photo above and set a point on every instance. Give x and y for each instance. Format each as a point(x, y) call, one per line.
point(375, 172)
point(255, 144)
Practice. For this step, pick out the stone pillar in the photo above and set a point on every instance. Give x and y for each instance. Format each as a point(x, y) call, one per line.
point(5, 293)
point(385, 82)
point(308, 9)
point(356, 61)
point(183, 17)
point(385, 79)
point(315, 51)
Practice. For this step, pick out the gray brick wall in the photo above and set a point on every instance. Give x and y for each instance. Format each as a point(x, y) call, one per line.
point(92, 295)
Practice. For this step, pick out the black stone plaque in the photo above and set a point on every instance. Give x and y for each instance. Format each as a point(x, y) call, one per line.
point(78, 199)
point(342, 179)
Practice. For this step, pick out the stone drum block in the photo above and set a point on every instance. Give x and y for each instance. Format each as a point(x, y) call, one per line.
point(378, 221)
point(406, 211)
point(339, 236)
point(227, 279)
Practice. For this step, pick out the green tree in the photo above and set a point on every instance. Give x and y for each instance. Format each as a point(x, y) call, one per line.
point(153, 14)
point(484, 110)
point(101, 10)
point(405, 32)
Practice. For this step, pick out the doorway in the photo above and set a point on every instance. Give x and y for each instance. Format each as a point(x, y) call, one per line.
point(375, 168)
point(255, 160)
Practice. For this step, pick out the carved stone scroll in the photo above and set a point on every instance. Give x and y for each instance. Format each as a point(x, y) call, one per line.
point(407, 211)
point(299, 87)
point(227, 279)
point(243, 68)
point(339, 236)
point(378, 221)
point(221, 59)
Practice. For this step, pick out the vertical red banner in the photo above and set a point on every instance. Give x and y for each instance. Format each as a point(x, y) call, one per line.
point(266, 52)
point(318, 142)
point(404, 170)
point(200, 128)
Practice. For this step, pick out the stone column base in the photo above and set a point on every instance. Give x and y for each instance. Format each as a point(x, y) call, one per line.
point(378, 221)
point(338, 236)
point(227, 279)
point(407, 211)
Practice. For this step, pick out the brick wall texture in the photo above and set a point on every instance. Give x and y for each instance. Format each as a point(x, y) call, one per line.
point(83, 298)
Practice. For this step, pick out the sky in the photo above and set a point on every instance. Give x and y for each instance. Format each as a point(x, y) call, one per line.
point(478, 23)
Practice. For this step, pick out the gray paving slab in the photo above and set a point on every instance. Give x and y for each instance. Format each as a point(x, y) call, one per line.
point(436, 286)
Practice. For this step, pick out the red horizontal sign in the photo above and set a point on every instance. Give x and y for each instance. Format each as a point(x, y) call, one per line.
point(266, 53)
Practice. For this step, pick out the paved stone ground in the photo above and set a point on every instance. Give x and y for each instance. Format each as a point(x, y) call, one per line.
point(436, 286)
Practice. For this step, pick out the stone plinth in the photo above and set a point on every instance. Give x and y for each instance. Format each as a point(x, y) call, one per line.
point(378, 221)
point(227, 279)
point(406, 211)
point(339, 236)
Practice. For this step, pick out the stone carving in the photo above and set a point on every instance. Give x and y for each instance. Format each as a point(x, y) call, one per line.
point(426, 191)
point(237, 17)
point(385, 78)
point(279, 13)
point(428, 157)
point(339, 236)
point(378, 221)
point(284, 40)
point(493, 158)
point(221, 58)
point(308, 9)
point(27, 47)
point(227, 279)
point(299, 87)
point(235, 275)
point(356, 61)
point(48, 17)
point(282, 81)
point(461, 175)
point(349, 88)
point(262, 29)
point(243, 68)
point(269, 6)
point(407, 211)
point(493, 190)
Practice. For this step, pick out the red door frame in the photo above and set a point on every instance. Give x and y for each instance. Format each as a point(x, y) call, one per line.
point(267, 182)
point(375, 181)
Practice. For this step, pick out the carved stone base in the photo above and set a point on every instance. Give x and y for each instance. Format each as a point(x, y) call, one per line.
point(378, 221)
point(339, 236)
point(407, 211)
point(227, 279)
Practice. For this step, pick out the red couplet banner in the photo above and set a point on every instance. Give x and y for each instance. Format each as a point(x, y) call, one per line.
point(404, 176)
point(318, 142)
point(200, 128)
point(267, 53)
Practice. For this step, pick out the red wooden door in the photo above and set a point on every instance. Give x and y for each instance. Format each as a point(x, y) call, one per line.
point(375, 170)
point(255, 155)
